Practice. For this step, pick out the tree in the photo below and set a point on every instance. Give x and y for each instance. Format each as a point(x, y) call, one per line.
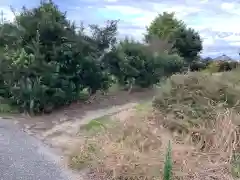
point(188, 44)
point(164, 27)
point(185, 41)
point(50, 62)
point(133, 64)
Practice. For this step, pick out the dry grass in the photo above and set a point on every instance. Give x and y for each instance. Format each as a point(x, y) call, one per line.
point(198, 120)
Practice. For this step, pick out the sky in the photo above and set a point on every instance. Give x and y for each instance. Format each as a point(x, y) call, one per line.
point(215, 20)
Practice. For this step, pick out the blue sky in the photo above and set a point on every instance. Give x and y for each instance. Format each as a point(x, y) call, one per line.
point(217, 21)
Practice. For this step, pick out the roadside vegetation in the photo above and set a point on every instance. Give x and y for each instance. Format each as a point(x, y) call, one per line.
point(47, 62)
point(190, 130)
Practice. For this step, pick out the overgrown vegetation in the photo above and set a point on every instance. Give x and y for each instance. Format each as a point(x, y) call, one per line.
point(46, 61)
point(201, 122)
point(213, 66)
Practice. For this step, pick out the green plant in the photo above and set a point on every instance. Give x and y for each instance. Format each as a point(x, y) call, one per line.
point(212, 68)
point(133, 64)
point(46, 63)
point(236, 165)
point(96, 125)
point(167, 174)
point(169, 30)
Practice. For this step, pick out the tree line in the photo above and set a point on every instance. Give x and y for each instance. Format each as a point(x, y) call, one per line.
point(46, 61)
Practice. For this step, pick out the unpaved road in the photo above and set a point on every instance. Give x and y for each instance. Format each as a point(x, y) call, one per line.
point(23, 157)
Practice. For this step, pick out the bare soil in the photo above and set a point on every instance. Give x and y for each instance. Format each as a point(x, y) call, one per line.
point(59, 128)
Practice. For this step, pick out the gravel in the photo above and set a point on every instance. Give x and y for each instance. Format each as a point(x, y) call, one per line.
point(23, 157)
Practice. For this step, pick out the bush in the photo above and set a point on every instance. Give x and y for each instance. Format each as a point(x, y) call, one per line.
point(50, 62)
point(227, 66)
point(198, 65)
point(201, 122)
point(183, 95)
point(171, 63)
point(221, 66)
point(45, 62)
point(212, 68)
point(132, 63)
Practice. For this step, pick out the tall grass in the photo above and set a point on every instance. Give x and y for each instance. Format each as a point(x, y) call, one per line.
point(198, 113)
point(167, 175)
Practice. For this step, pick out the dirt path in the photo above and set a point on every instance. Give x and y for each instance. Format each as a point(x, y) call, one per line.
point(80, 110)
point(64, 136)
point(59, 128)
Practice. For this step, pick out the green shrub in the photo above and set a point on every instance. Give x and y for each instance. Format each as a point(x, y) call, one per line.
point(50, 62)
point(220, 66)
point(132, 63)
point(46, 62)
point(198, 65)
point(167, 175)
point(236, 165)
point(196, 95)
point(171, 63)
point(227, 66)
point(212, 68)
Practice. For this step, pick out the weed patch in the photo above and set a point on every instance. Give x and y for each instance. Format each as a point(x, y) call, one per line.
point(201, 122)
point(97, 125)
point(236, 165)
point(5, 108)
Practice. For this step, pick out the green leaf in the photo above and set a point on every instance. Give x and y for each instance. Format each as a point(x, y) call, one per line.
point(168, 164)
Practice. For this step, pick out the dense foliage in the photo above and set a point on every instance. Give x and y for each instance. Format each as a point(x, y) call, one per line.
point(132, 62)
point(213, 66)
point(45, 61)
point(185, 41)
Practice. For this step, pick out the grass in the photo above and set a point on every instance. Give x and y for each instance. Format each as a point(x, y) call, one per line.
point(168, 164)
point(143, 106)
point(236, 165)
point(98, 124)
point(198, 113)
point(92, 128)
point(5, 108)
point(84, 95)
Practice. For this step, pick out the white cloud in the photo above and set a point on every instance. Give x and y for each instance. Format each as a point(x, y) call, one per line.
point(182, 11)
point(7, 13)
point(111, 1)
point(126, 10)
point(203, 1)
point(145, 15)
point(144, 20)
point(208, 41)
point(227, 6)
point(235, 44)
point(232, 38)
point(210, 18)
